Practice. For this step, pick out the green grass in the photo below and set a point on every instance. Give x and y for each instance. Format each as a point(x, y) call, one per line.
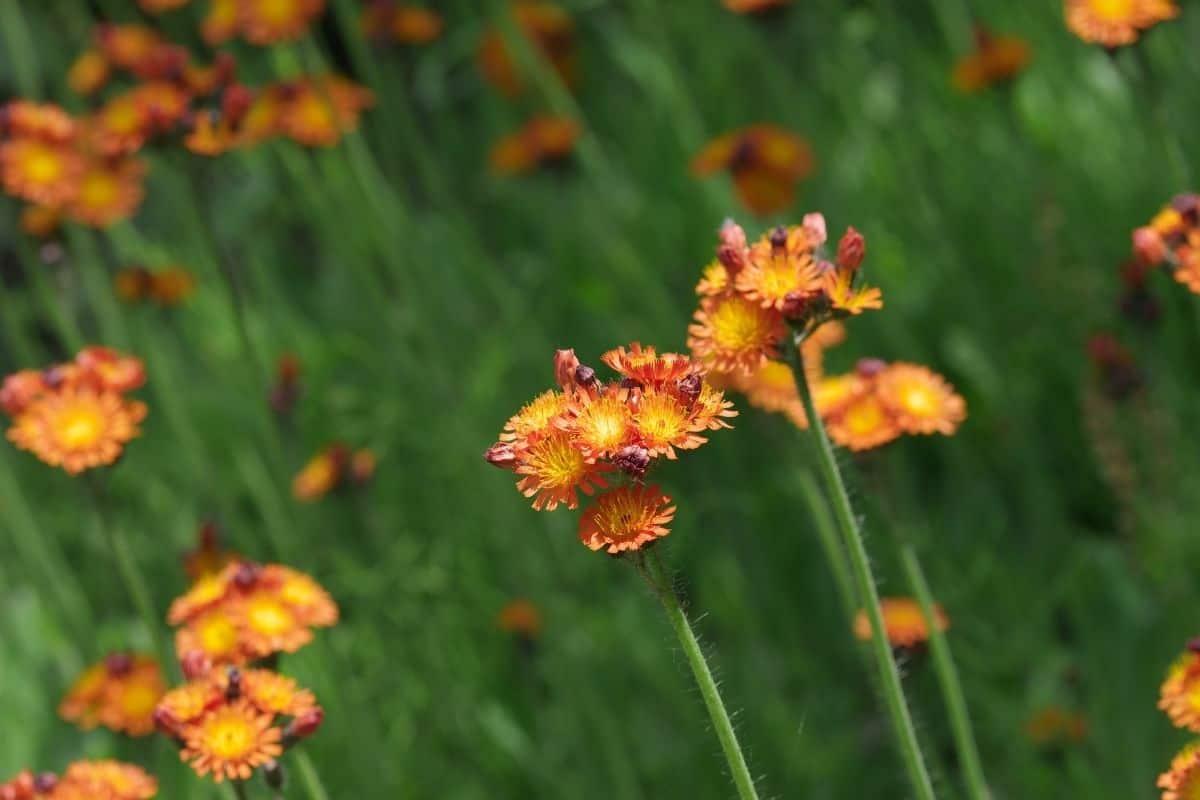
point(425, 300)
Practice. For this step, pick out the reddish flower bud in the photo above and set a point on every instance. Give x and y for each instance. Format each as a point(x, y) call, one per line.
point(45, 783)
point(852, 249)
point(501, 455)
point(195, 664)
point(165, 721)
point(585, 376)
point(118, 664)
point(246, 575)
point(870, 367)
point(304, 725)
point(1194, 644)
point(690, 387)
point(362, 466)
point(234, 688)
point(235, 102)
point(1149, 246)
point(732, 250)
point(779, 238)
point(795, 304)
point(814, 225)
point(565, 365)
point(633, 460)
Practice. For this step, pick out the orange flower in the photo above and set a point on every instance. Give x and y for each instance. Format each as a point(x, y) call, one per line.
point(994, 60)
point(44, 121)
point(774, 276)
point(402, 23)
point(188, 703)
point(110, 369)
point(104, 780)
point(20, 389)
point(627, 518)
point(39, 171)
point(210, 136)
point(832, 395)
point(714, 281)
point(40, 221)
point(555, 470)
point(121, 125)
point(600, 424)
point(321, 475)
point(863, 424)
point(664, 421)
point(1182, 780)
point(78, 428)
point(128, 46)
point(536, 417)
point(109, 191)
point(304, 597)
point(264, 22)
point(920, 400)
point(903, 621)
point(646, 366)
point(1054, 726)
point(541, 140)
point(119, 693)
point(273, 693)
point(268, 625)
point(734, 334)
point(766, 163)
point(318, 113)
point(521, 618)
point(221, 22)
point(1113, 23)
point(159, 6)
point(844, 297)
point(753, 6)
point(772, 388)
point(549, 30)
point(89, 73)
point(216, 634)
point(1179, 696)
point(231, 742)
point(171, 286)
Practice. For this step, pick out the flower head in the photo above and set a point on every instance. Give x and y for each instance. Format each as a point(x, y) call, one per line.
point(732, 333)
point(521, 618)
point(264, 22)
point(119, 693)
point(104, 780)
point(1182, 780)
point(549, 30)
point(77, 429)
point(920, 400)
point(765, 161)
point(627, 518)
point(390, 20)
point(541, 140)
point(107, 191)
point(231, 742)
point(318, 112)
point(1179, 696)
point(42, 172)
point(1113, 23)
point(89, 72)
point(994, 60)
point(903, 621)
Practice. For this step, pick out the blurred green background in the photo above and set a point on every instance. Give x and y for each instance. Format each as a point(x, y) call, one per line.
point(424, 299)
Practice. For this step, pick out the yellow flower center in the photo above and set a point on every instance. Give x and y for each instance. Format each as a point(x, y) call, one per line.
point(269, 616)
point(230, 737)
point(79, 427)
point(138, 700)
point(538, 412)
point(123, 117)
point(661, 419)
point(297, 592)
point(218, 635)
point(739, 324)
point(604, 424)
point(622, 515)
point(1113, 10)
point(99, 190)
point(43, 165)
point(315, 112)
point(776, 376)
point(556, 463)
point(864, 417)
point(277, 12)
point(918, 400)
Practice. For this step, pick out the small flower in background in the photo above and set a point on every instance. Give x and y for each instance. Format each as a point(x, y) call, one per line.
point(247, 612)
point(766, 162)
point(995, 59)
point(208, 558)
point(319, 111)
point(1115, 367)
point(541, 140)
point(75, 415)
point(119, 693)
point(230, 722)
point(41, 172)
point(260, 22)
point(1173, 239)
point(83, 780)
point(89, 73)
point(1054, 727)
point(588, 433)
point(108, 192)
point(40, 222)
point(1182, 780)
point(1179, 696)
point(330, 469)
point(170, 286)
point(903, 622)
point(389, 20)
point(161, 6)
point(549, 30)
point(1113, 23)
point(521, 618)
point(754, 6)
point(287, 388)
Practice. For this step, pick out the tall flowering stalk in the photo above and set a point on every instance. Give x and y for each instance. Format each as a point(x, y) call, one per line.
point(602, 438)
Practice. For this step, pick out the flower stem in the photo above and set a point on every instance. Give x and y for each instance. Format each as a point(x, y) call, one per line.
point(239, 788)
point(704, 679)
point(312, 780)
point(860, 566)
point(947, 675)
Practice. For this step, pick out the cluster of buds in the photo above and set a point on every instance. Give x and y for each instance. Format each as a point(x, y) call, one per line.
point(230, 722)
point(549, 30)
point(143, 54)
point(332, 468)
point(83, 780)
point(588, 433)
point(1172, 239)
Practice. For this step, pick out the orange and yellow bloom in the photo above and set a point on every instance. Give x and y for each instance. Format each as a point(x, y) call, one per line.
point(903, 622)
point(119, 693)
point(551, 32)
point(541, 140)
point(766, 163)
point(1172, 240)
point(994, 60)
point(333, 467)
point(1114, 23)
point(397, 22)
point(83, 780)
point(1181, 781)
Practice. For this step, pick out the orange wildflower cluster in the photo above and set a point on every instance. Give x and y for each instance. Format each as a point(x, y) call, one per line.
point(119, 693)
point(551, 33)
point(260, 22)
point(588, 433)
point(1179, 698)
point(903, 621)
point(75, 415)
point(61, 166)
point(541, 140)
point(165, 287)
point(1055, 727)
point(765, 161)
point(1172, 239)
point(1114, 23)
point(333, 467)
point(248, 612)
point(83, 780)
point(994, 60)
point(389, 20)
point(229, 722)
point(521, 618)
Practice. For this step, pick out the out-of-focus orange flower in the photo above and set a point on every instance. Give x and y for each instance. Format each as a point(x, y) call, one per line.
point(754, 6)
point(231, 741)
point(44, 121)
point(41, 172)
point(626, 518)
point(110, 370)
point(77, 429)
point(1172, 239)
point(407, 24)
point(549, 30)
point(40, 221)
point(879, 402)
point(1179, 695)
point(766, 162)
point(160, 6)
point(541, 140)
point(995, 59)
point(1114, 23)
point(734, 334)
point(208, 558)
point(521, 618)
point(903, 621)
point(264, 22)
point(1054, 727)
point(102, 780)
point(248, 612)
point(121, 125)
point(220, 24)
point(108, 191)
point(129, 47)
point(170, 286)
point(210, 135)
point(1182, 780)
point(318, 112)
point(330, 469)
point(89, 73)
point(920, 400)
point(119, 693)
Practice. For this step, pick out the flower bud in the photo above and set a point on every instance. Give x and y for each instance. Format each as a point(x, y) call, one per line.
point(362, 466)
point(851, 250)
point(501, 455)
point(1149, 246)
point(732, 250)
point(118, 664)
point(795, 305)
point(814, 226)
point(779, 238)
point(565, 365)
point(633, 460)
point(585, 376)
point(870, 367)
point(690, 387)
point(45, 783)
point(1194, 644)
point(246, 575)
point(235, 102)
point(304, 725)
point(195, 664)
point(234, 690)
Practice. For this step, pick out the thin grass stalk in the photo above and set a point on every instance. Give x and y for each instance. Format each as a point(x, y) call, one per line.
point(310, 777)
point(889, 675)
point(738, 771)
point(947, 676)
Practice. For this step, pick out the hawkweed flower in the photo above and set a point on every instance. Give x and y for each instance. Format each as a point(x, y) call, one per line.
point(994, 60)
point(1172, 240)
point(1179, 695)
point(754, 6)
point(1113, 23)
point(331, 469)
point(549, 30)
point(1181, 781)
point(521, 618)
point(266, 22)
point(119, 693)
point(43, 172)
point(1054, 726)
point(541, 140)
point(40, 222)
point(129, 47)
point(166, 287)
point(75, 416)
point(317, 112)
point(231, 722)
point(108, 191)
point(389, 20)
point(248, 612)
point(903, 621)
point(765, 161)
point(89, 72)
point(83, 780)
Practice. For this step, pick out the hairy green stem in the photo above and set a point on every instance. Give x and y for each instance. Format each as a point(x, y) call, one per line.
point(828, 536)
point(704, 678)
point(947, 676)
point(860, 565)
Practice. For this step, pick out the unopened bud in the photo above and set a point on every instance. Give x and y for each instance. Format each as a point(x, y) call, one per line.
point(1149, 246)
point(118, 664)
point(795, 304)
point(165, 721)
point(566, 363)
point(779, 237)
point(304, 725)
point(870, 367)
point(1188, 205)
point(852, 249)
point(585, 376)
point(731, 247)
point(814, 225)
point(1194, 644)
point(501, 455)
point(235, 102)
point(690, 387)
point(195, 664)
point(246, 575)
point(45, 783)
point(630, 383)
point(633, 460)
point(234, 690)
